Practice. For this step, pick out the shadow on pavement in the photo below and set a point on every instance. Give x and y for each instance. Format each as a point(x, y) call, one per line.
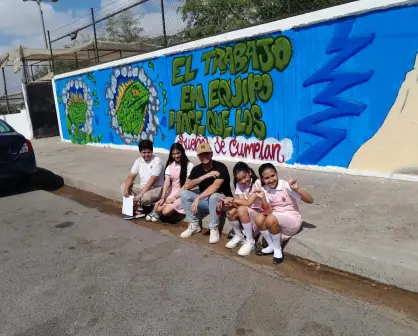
point(42, 180)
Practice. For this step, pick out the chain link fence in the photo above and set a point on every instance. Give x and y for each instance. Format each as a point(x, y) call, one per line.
point(123, 28)
point(11, 96)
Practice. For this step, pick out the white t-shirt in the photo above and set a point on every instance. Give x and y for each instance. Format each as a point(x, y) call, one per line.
point(189, 169)
point(146, 170)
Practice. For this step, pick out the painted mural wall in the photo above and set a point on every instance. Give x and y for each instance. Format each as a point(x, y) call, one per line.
point(342, 93)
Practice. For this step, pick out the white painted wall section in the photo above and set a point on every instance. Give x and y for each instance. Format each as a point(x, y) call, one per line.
point(20, 122)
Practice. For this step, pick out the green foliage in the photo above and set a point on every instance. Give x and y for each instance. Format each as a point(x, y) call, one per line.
point(124, 27)
point(211, 17)
point(77, 112)
point(60, 67)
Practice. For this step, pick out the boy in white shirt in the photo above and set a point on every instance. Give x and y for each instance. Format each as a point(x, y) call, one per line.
point(151, 179)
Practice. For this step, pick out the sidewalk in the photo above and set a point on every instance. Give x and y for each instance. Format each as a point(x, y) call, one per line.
point(362, 225)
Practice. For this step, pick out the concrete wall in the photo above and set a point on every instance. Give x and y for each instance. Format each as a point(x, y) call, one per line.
point(20, 122)
point(337, 87)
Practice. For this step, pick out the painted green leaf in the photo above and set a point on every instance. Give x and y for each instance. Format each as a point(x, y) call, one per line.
point(99, 137)
point(164, 92)
point(151, 65)
point(161, 84)
point(94, 93)
point(165, 101)
point(68, 125)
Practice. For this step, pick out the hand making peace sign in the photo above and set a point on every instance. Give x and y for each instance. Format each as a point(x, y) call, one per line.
point(293, 183)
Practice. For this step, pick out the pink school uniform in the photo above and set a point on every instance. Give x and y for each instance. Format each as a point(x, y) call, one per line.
point(245, 192)
point(173, 170)
point(284, 204)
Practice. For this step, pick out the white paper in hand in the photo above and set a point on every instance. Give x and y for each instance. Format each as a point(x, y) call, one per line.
point(128, 206)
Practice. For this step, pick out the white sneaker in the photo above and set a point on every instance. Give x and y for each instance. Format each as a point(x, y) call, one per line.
point(191, 230)
point(214, 236)
point(246, 249)
point(234, 242)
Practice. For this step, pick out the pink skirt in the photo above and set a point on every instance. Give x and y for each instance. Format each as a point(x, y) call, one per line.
point(289, 224)
point(177, 204)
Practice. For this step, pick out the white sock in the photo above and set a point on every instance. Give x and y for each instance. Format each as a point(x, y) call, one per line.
point(248, 229)
point(277, 245)
point(267, 237)
point(237, 227)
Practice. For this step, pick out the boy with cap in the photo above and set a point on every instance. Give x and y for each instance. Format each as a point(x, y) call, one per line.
point(212, 178)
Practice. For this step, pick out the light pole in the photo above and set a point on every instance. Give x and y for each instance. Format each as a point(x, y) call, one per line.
point(42, 17)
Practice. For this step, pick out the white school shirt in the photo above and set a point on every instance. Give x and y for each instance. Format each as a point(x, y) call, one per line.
point(189, 169)
point(146, 170)
point(282, 184)
point(245, 190)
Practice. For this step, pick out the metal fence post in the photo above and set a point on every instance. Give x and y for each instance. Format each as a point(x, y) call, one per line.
point(31, 72)
point(50, 51)
point(95, 36)
point(5, 90)
point(76, 60)
point(164, 28)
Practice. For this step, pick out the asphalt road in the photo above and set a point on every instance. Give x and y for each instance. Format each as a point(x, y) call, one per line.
point(66, 269)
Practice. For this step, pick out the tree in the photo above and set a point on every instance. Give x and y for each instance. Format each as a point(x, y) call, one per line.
point(60, 66)
point(210, 17)
point(124, 27)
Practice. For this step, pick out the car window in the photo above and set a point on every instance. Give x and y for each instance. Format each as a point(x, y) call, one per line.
point(4, 128)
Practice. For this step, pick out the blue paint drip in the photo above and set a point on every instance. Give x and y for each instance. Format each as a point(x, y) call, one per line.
point(344, 47)
point(164, 121)
point(96, 118)
point(111, 137)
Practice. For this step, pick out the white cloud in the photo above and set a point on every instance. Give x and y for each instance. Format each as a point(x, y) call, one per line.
point(20, 23)
point(26, 28)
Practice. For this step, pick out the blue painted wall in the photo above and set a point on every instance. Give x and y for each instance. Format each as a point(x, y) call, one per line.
point(332, 86)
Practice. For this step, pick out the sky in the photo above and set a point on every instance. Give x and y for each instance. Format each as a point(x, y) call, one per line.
point(20, 21)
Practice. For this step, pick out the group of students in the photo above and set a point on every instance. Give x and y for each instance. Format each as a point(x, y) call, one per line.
point(266, 205)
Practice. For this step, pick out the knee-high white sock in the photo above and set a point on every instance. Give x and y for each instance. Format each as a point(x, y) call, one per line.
point(248, 229)
point(277, 245)
point(237, 227)
point(267, 237)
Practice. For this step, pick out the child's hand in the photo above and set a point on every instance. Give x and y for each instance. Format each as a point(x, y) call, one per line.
point(229, 201)
point(260, 194)
point(293, 183)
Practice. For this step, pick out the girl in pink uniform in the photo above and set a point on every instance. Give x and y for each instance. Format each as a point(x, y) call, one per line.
point(244, 207)
point(177, 170)
point(283, 219)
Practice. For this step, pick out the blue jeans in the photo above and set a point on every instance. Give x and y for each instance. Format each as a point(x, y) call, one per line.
point(207, 206)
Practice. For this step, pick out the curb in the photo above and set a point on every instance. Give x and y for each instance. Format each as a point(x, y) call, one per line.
point(308, 249)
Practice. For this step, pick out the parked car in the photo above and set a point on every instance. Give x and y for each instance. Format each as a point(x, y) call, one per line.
point(17, 158)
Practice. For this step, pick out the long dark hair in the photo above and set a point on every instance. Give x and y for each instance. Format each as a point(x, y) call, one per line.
point(264, 167)
point(243, 167)
point(183, 161)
